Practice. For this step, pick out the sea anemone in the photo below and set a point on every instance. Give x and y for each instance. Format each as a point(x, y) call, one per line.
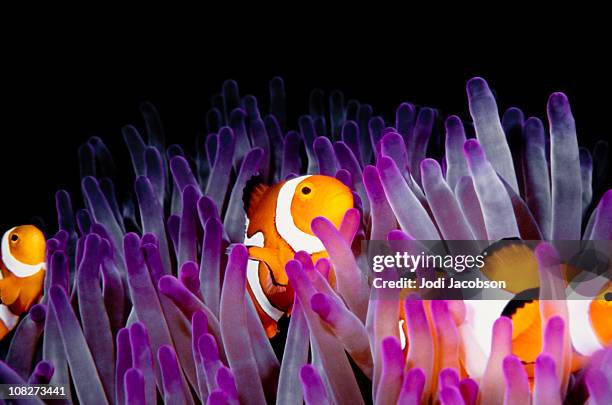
point(145, 295)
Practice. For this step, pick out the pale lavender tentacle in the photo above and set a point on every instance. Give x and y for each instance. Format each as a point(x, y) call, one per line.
point(334, 361)
point(411, 215)
point(219, 179)
point(314, 389)
point(175, 385)
point(586, 174)
point(326, 158)
point(291, 163)
point(420, 140)
point(294, 357)
point(87, 383)
point(564, 170)
point(489, 132)
point(449, 217)
point(456, 166)
point(142, 359)
point(235, 217)
point(495, 203)
point(382, 217)
point(536, 175)
point(233, 311)
point(468, 200)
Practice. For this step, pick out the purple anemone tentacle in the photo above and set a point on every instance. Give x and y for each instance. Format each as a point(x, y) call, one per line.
point(22, 350)
point(42, 373)
point(134, 386)
point(308, 132)
point(350, 282)
point(92, 311)
point(199, 327)
point(347, 327)
point(382, 219)
point(326, 158)
point(564, 170)
point(586, 174)
point(233, 310)
point(210, 264)
point(313, 387)
point(87, 383)
point(277, 100)
point(494, 201)
point(175, 385)
point(392, 373)
point(450, 219)
point(489, 131)
point(331, 353)
point(536, 173)
point(219, 179)
point(291, 163)
point(456, 166)
point(189, 226)
point(517, 381)
point(142, 359)
point(412, 387)
point(237, 123)
point(420, 140)
point(144, 298)
point(411, 215)
point(235, 217)
point(294, 357)
point(546, 387)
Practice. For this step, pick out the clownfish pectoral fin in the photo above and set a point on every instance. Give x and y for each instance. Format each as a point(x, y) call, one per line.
point(8, 292)
point(271, 258)
point(255, 197)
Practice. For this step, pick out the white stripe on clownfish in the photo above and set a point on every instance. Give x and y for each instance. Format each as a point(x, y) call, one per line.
point(16, 267)
point(253, 278)
point(7, 317)
point(285, 226)
point(583, 336)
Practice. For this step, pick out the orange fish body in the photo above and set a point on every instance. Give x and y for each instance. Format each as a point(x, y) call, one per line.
point(22, 272)
point(589, 320)
point(278, 226)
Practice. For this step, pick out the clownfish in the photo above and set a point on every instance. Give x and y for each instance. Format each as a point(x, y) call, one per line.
point(278, 226)
point(589, 320)
point(22, 272)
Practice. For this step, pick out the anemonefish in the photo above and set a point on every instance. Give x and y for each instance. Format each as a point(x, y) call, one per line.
point(22, 272)
point(589, 320)
point(278, 226)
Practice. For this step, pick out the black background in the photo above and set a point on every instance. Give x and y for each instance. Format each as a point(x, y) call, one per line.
point(59, 90)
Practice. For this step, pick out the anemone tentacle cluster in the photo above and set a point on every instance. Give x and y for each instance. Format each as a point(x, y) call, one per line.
point(145, 296)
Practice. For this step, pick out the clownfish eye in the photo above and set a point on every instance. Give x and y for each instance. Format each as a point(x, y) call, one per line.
point(14, 237)
point(608, 296)
point(306, 190)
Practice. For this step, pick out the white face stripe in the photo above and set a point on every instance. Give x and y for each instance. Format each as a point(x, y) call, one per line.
point(7, 317)
point(15, 266)
point(285, 226)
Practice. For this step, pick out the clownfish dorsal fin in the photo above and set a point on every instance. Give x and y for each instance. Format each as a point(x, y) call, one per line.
point(255, 197)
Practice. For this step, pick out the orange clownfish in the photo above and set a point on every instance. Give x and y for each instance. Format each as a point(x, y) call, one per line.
point(22, 272)
point(278, 226)
point(589, 320)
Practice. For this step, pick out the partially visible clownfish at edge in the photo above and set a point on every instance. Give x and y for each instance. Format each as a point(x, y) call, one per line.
point(22, 272)
point(278, 226)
